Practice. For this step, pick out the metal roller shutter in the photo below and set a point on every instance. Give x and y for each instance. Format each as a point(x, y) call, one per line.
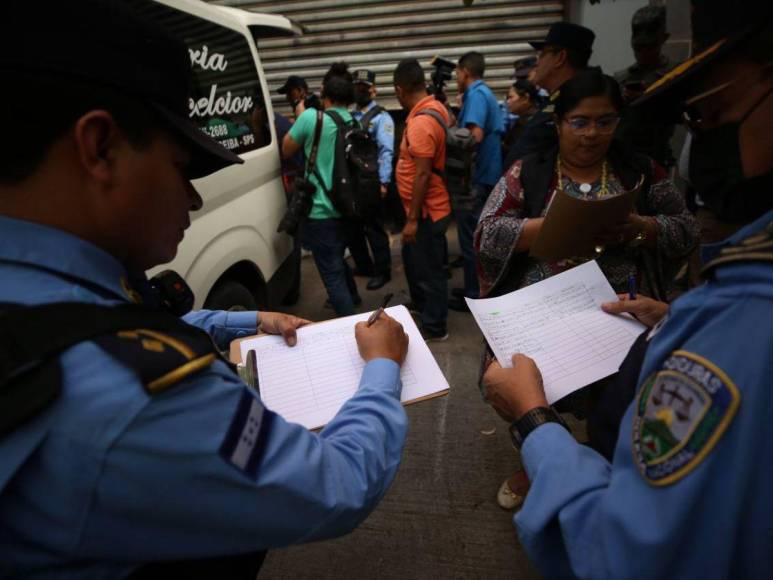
point(376, 34)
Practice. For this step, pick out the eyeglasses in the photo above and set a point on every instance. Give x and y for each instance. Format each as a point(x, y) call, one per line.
point(605, 125)
point(691, 114)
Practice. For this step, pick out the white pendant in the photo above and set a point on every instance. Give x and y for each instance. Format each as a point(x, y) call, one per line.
point(585, 187)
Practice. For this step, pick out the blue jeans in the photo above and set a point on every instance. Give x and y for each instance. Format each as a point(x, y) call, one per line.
point(466, 222)
point(427, 280)
point(327, 241)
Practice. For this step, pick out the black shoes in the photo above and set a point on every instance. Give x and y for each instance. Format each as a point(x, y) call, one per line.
point(431, 336)
point(457, 262)
point(378, 281)
point(357, 301)
point(458, 303)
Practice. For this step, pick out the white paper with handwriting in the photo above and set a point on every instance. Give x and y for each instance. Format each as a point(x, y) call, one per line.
point(310, 382)
point(559, 323)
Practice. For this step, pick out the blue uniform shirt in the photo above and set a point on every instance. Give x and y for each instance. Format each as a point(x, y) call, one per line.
point(382, 129)
point(480, 107)
point(108, 477)
point(688, 494)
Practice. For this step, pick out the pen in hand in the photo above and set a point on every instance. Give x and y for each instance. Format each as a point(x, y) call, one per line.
point(375, 316)
point(632, 287)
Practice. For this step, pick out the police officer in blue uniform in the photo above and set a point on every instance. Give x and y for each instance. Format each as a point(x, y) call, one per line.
point(378, 122)
point(688, 493)
point(152, 452)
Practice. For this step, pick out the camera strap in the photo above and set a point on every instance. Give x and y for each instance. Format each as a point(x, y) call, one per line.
point(311, 165)
point(315, 143)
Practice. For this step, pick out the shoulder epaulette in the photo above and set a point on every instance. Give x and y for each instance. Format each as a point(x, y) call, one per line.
point(160, 359)
point(160, 347)
point(756, 248)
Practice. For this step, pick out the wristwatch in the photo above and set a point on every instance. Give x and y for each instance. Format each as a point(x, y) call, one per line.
point(530, 421)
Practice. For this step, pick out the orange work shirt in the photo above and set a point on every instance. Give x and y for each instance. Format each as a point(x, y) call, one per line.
point(424, 137)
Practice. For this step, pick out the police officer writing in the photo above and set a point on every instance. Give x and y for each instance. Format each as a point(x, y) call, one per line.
point(688, 493)
point(136, 462)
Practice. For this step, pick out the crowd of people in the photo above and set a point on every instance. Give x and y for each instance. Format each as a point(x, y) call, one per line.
point(584, 129)
point(674, 481)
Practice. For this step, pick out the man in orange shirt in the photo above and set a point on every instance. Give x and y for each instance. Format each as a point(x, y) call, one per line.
point(425, 198)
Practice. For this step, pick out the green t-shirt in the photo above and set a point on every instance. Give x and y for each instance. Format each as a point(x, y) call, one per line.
point(302, 132)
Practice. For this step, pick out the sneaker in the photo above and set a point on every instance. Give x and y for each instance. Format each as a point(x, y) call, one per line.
point(507, 498)
point(430, 336)
point(378, 281)
point(357, 301)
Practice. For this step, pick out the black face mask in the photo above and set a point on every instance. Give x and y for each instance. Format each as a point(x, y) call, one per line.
point(362, 99)
point(716, 172)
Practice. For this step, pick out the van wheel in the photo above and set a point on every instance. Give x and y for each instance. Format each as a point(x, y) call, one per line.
point(230, 295)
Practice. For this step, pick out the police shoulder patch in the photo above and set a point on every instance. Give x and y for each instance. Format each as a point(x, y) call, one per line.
point(243, 444)
point(680, 414)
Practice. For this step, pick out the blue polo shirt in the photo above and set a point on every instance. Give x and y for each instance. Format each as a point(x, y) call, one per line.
point(480, 107)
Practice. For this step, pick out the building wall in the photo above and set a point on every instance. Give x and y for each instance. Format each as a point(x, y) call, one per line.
point(611, 21)
point(377, 34)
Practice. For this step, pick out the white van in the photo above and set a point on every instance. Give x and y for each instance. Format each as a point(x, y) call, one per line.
point(232, 255)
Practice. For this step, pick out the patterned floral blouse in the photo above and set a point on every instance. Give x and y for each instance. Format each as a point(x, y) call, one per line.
point(502, 221)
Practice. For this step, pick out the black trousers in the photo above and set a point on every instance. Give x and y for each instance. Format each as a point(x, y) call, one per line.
point(371, 232)
point(427, 281)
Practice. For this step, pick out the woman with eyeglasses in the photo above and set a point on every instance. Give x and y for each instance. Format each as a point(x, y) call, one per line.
point(588, 163)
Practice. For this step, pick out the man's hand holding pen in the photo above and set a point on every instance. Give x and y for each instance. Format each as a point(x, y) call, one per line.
point(384, 338)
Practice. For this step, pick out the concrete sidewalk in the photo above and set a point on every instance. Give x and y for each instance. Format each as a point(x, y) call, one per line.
point(440, 519)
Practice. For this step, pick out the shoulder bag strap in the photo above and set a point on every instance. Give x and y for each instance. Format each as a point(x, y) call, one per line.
point(439, 118)
point(370, 115)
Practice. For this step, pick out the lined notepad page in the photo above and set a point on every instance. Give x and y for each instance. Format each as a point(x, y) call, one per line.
point(310, 382)
point(559, 323)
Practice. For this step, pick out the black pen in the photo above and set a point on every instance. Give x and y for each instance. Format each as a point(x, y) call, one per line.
point(375, 316)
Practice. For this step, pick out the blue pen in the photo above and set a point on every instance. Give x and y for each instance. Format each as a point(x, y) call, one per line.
point(632, 287)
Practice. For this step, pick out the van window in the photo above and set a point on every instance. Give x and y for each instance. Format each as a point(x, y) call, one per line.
point(226, 92)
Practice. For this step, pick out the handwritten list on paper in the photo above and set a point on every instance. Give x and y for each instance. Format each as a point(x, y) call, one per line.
point(310, 382)
point(558, 322)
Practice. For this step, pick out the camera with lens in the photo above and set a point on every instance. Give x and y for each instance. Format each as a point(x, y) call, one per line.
point(298, 207)
point(444, 70)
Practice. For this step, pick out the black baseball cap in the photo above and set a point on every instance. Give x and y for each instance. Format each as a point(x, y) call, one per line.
point(105, 43)
point(364, 76)
point(568, 35)
point(717, 29)
point(293, 82)
point(648, 25)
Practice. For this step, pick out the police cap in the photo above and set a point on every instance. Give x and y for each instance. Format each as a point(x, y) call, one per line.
point(105, 43)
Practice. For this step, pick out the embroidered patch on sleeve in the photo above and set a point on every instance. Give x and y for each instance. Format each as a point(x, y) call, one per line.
point(244, 440)
point(680, 414)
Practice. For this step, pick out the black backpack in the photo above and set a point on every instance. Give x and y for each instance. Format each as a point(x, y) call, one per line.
point(356, 191)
